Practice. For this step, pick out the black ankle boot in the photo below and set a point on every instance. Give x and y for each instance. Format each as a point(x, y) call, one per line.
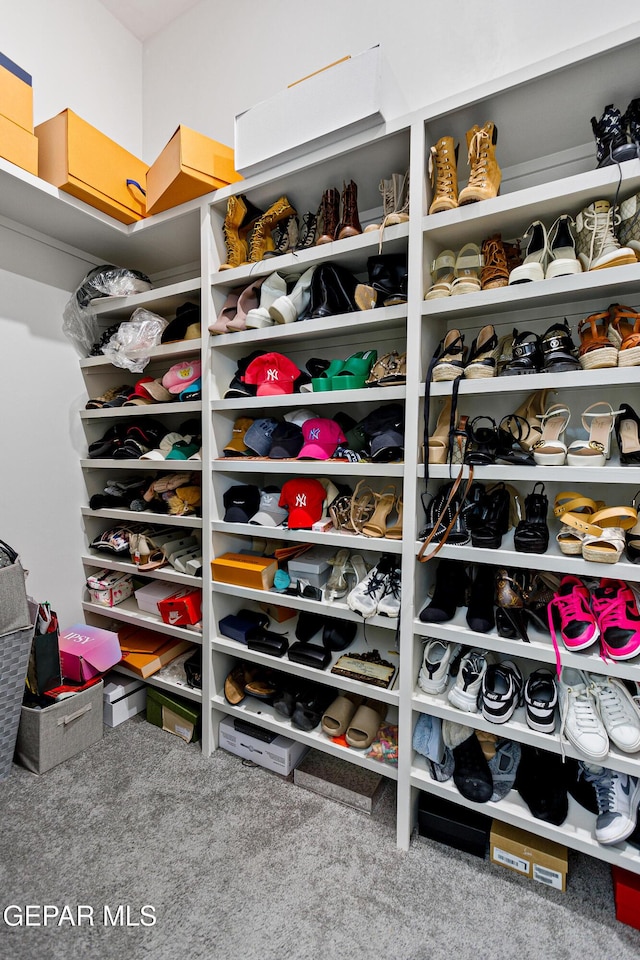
point(448, 594)
point(388, 277)
point(480, 616)
point(332, 291)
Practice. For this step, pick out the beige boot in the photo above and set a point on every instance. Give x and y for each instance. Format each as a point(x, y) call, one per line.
point(443, 172)
point(261, 240)
point(395, 201)
point(485, 176)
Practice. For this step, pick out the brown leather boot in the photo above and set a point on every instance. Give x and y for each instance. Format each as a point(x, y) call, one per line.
point(329, 215)
point(241, 215)
point(495, 272)
point(349, 226)
point(261, 239)
point(485, 175)
point(443, 171)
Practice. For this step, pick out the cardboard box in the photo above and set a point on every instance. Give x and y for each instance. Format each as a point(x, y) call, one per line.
point(80, 160)
point(189, 166)
point(340, 780)
point(87, 651)
point(453, 824)
point(109, 587)
point(145, 652)
point(533, 856)
point(16, 94)
point(175, 715)
point(182, 607)
point(281, 755)
point(148, 597)
point(18, 146)
point(54, 734)
point(122, 698)
point(278, 613)
point(626, 894)
point(245, 570)
point(333, 103)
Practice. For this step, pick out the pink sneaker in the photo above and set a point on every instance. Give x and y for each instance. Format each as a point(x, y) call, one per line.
point(570, 611)
point(614, 606)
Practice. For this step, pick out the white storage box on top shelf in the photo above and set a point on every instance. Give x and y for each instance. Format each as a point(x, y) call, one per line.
point(337, 101)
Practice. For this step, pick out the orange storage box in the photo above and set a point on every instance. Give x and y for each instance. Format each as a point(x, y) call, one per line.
point(18, 146)
point(244, 570)
point(80, 160)
point(16, 94)
point(189, 166)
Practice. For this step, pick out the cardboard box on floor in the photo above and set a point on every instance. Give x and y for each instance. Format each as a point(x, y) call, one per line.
point(189, 166)
point(16, 94)
point(82, 161)
point(176, 715)
point(534, 857)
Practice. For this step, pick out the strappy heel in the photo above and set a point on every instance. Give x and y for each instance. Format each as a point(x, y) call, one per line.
point(531, 410)
point(549, 450)
point(532, 533)
point(483, 357)
point(482, 445)
point(337, 586)
point(377, 525)
point(627, 427)
point(450, 365)
point(394, 532)
point(598, 420)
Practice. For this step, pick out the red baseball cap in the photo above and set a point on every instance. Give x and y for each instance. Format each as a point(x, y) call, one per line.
point(321, 437)
point(273, 373)
point(304, 497)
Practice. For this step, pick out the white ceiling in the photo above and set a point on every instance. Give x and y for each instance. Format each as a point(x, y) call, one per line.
point(146, 17)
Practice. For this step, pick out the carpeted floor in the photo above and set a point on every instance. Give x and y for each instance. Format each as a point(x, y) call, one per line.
point(239, 864)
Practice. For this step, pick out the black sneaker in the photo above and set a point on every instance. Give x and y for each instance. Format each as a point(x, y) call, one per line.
point(612, 145)
point(501, 691)
point(471, 773)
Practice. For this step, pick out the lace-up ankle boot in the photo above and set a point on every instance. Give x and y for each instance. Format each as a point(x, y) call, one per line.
point(329, 215)
point(261, 239)
point(443, 172)
point(485, 175)
point(308, 231)
point(395, 198)
point(349, 226)
point(596, 243)
point(241, 215)
point(495, 272)
point(612, 145)
point(285, 238)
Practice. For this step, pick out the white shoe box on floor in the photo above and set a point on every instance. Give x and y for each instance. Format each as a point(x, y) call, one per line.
point(281, 755)
point(335, 102)
point(122, 698)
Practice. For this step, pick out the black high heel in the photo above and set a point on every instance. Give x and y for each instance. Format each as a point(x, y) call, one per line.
point(532, 533)
point(482, 443)
point(513, 429)
point(627, 427)
point(449, 592)
point(488, 521)
point(511, 616)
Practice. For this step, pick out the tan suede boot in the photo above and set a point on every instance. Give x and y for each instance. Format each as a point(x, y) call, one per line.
point(241, 215)
point(261, 239)
point(443, 172)
point(485, 175)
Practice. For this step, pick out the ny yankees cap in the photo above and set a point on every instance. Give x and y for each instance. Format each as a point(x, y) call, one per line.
point(273, 373)
point(304, 497)
point(270, 514)
point(241, 503)
point(321, 437)
point(258, 436)
point(286, 441)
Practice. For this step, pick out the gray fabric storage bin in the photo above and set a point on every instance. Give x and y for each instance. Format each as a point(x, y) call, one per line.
point(54, 734)
point(17, 626)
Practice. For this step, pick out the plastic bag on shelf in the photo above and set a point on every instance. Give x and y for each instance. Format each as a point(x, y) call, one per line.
point(131, 344)
point(80, 324)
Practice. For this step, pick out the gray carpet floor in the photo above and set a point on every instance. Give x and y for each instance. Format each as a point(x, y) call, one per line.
point(239, 864)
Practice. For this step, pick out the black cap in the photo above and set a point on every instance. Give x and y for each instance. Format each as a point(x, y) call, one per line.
point(286, 441)
point(241, 502)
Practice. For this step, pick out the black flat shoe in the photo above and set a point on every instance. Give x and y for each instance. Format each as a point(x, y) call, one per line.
point(627, 428)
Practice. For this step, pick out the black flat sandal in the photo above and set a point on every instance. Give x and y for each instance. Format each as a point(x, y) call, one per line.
point(558, 349)
point(526, 354)
point(532, 533)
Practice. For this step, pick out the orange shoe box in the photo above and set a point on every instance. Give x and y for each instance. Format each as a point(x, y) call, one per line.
point(16, 95)
point(245, 570)
point(189, 166)
point(18, 146)
point(80, 160)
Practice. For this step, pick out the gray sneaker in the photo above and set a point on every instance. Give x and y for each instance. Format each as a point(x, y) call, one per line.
point(617, 795)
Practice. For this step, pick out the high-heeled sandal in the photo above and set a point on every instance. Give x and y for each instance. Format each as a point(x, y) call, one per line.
point(376, 526)
point(337, 586)
point(596, 349)
point(598, 420)
point(439, 439)
point(361, 508)
point(482, 445)
point(550, 450)
point(442, 275)
point(513, 429)
point(532, 533)
point(632, 538)
point(450, 364)
point(488, 521)
point(467, 270)
point(483, 357)
point(394, 532)
point(624, 333)
point(627, 427)
point(530, 410)
point(511, 617)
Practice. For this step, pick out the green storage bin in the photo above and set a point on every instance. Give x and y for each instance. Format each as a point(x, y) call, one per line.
point(180, 717)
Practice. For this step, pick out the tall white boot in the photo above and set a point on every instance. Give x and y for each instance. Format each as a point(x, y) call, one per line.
point(273, 287)
point(287, 309)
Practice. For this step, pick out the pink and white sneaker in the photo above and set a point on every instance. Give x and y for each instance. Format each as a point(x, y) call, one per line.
point(615, 608)
point(570, 612)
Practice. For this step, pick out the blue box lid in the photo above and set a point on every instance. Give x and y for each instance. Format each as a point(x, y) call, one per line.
point(15, 69)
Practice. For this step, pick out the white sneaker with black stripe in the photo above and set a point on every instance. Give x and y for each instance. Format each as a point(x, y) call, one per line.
point(501, 691)
point(436, 661)
point(541, 700)
point(473, 666)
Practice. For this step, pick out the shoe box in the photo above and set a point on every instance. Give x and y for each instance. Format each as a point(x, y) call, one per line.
point(266, 749)
point(626, 894)
point(174, 714)
point(18, 143)
point(454, 825)
point(533, 856)
point(340, 780)
point(311, 568)
point(244, 570)
point(152, 593)
point(122, 698)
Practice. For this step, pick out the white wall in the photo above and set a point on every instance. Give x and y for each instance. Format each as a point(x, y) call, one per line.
point(219, 59)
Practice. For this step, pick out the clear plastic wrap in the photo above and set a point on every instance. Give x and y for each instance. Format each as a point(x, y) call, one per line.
point(80, 324)
point(130, 345)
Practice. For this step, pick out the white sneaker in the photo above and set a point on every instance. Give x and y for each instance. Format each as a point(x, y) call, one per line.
point(618, 711)
point(366, 595)
point(617, 795)
point(473, 666)
point(389, 602)
point(436, 660)
point(580, 721)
